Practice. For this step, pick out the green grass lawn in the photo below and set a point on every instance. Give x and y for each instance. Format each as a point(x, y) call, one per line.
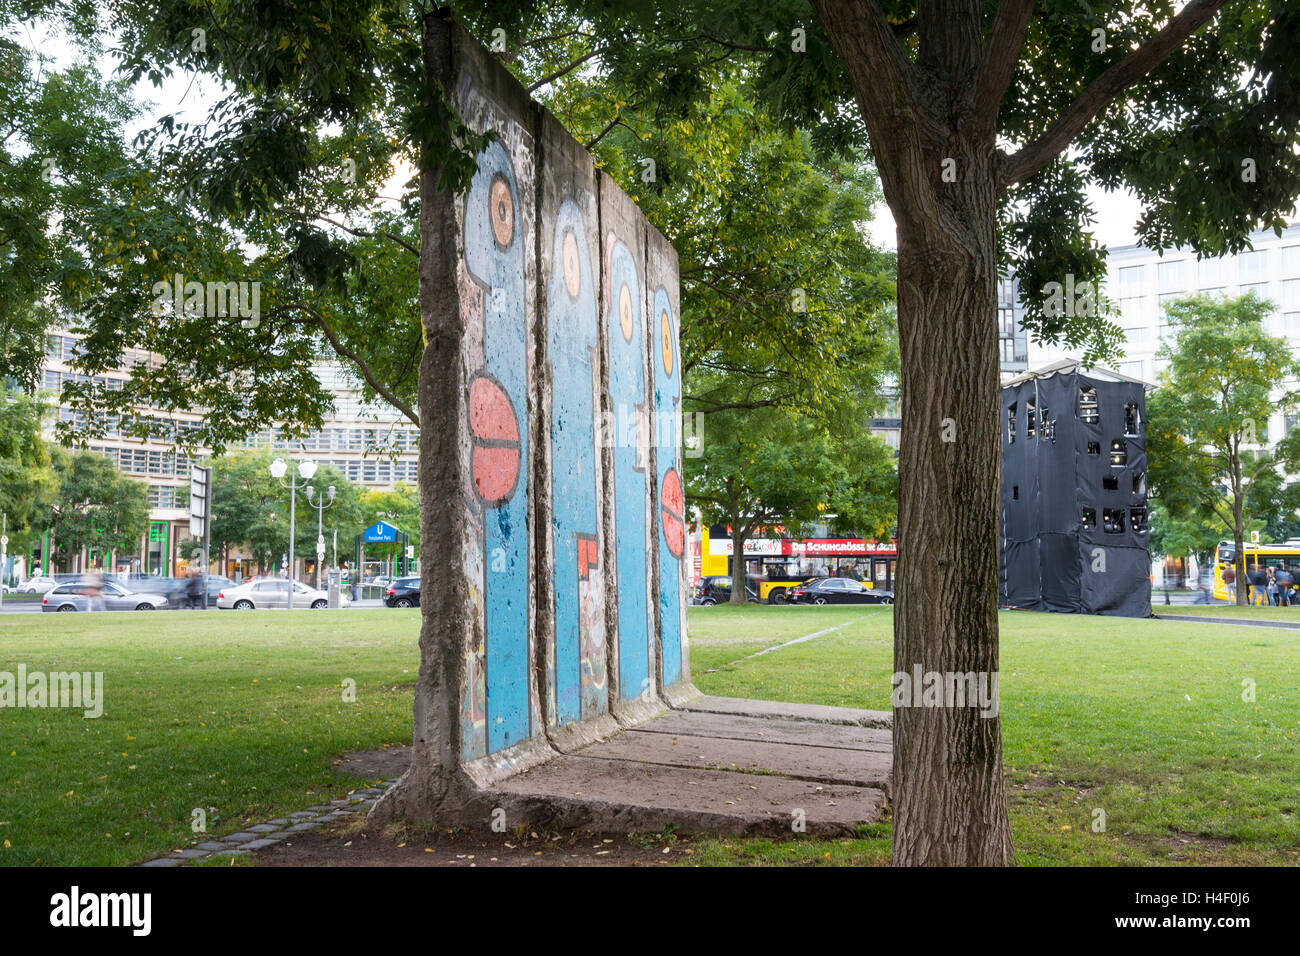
point(240, 720)
point(722, 634)
point(1142, 719)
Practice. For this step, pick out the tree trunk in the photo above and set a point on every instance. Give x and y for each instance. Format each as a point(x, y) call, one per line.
point(738, 538)
point(1239, 534)
point(422, 791)
point(949, 800)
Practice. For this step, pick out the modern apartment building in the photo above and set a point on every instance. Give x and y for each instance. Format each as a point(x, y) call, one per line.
point(1140, 282)
point(373, 445)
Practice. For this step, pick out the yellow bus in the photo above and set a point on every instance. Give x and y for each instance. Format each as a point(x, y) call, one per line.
point(788, 562)
point(1258, 556)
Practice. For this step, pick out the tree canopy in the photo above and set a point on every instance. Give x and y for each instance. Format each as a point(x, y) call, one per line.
point(1207, 438)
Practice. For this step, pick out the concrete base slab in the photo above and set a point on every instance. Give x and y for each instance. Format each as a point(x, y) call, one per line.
point(706, 772)
point(816, 713)
point(859, 768)
point(592, 793)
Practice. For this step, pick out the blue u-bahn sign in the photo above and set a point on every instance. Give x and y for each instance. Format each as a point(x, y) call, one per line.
point(380, 531)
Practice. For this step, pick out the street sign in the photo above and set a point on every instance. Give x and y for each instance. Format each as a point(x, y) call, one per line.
point(410, 551)
point(4, 539)
point(1254, 537)
point(200, 497)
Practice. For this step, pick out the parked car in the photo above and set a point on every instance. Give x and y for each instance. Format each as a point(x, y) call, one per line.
point(36, 584)
point(839, 591)
point(274, 592)
point(717, 590)
point(76, 597)
point(403, 592)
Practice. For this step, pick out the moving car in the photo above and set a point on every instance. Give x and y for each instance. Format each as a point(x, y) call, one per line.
point(403, 592)
point(75, 597)
point(839, 591)
point(177, 589)
point(274, 592)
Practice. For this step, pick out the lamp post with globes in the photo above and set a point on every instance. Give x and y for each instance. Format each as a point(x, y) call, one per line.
point(303, 469)
point(320, 504)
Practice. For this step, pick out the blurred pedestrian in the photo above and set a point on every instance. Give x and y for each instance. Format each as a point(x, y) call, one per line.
point(94, 590)
point(1230, 582)
point(1285, 579)
point(194, 589)
point(1256, 585)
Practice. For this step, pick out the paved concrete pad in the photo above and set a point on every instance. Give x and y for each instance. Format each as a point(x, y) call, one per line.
point(707, 772)
point(861, 768)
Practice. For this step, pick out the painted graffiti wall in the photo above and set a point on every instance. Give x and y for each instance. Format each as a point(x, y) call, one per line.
point(570, 449)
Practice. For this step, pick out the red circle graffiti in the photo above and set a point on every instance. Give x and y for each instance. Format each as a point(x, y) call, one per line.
point(671, 511)
point(494, 431)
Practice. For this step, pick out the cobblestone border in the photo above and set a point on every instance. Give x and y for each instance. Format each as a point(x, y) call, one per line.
point(262, 835)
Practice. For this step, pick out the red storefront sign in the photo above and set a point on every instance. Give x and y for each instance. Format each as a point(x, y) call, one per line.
point(837, 547)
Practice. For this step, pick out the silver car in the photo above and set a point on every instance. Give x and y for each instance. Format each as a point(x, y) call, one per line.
point(36, 584)
point(73, 597)
point(273, 593)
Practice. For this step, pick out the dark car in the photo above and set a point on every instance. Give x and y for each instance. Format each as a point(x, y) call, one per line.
point(839, 591)
point(717, 590)
point(403, 592)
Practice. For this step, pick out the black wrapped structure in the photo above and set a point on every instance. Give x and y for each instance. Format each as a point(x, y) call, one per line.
point(1074, 498)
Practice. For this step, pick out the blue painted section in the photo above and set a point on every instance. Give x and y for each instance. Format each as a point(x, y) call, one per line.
point(499, 268)
point(579, 618)
point(626, 331)
point(668, 398)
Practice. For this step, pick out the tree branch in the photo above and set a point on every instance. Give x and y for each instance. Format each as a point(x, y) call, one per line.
point(1001, 53)
point(887, 87)
point(616, 121)
point(1113, 81)
point(551, 78)
point(360, 363)
point(361, 233)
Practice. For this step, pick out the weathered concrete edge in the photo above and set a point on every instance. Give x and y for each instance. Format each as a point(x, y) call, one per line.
point(681, 694)
point(814, 713)
point(495, 767)
point(632, 713)
point(570, 737)
point(600, 816)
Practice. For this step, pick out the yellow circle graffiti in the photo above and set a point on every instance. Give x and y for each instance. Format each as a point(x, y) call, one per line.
point(666, 338)
point(625, 312)
point(501, 206)
point(572, 272)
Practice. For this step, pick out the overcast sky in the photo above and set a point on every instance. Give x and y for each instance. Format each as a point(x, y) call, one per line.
point(1117, 214)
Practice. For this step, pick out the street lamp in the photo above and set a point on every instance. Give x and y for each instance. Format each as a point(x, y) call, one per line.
point(305, 469)
point(320, 505)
